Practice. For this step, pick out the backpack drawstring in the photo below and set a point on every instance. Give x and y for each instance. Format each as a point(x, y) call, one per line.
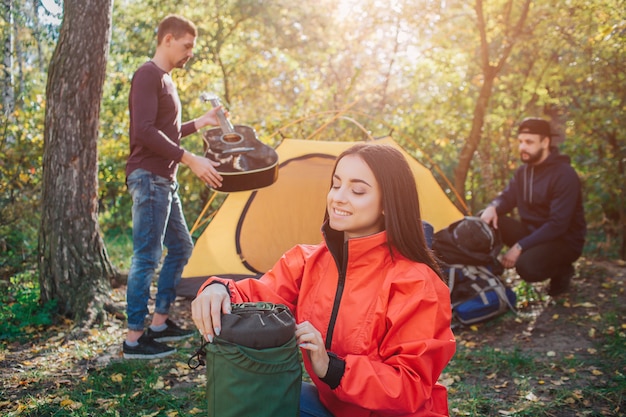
point(198, 359)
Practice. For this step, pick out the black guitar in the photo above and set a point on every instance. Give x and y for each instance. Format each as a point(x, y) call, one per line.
point(245, 162)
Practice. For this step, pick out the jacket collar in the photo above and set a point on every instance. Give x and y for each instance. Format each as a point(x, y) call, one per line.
point(335, 242)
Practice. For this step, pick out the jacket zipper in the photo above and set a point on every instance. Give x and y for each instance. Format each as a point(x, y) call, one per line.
point(340, 286)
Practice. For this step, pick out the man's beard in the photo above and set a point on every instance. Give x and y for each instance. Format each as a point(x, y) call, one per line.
point(531, 158)
point(181, 64)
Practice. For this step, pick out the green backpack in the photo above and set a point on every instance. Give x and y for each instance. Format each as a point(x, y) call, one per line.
point(253, 367)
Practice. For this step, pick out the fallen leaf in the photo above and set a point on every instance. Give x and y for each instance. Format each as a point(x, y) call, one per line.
point(446, 382)
point(531, 397)
point(68, 403)
point(159, 384)
point(586, 304)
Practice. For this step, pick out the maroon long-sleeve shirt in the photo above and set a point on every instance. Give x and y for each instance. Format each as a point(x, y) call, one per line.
point(155, 123)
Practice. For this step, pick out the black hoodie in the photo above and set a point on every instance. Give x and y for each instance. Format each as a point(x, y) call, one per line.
point(548, 198)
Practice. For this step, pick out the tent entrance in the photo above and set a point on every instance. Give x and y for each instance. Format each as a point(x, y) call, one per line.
point(291, 212)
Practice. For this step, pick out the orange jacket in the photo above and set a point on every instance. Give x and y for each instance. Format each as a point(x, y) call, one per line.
point(392, 325)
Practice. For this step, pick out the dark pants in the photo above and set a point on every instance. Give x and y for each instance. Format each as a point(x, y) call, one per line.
point(546, 260)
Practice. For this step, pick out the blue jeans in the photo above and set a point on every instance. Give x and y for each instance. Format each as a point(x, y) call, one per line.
point(310, 405)
point(158, 221)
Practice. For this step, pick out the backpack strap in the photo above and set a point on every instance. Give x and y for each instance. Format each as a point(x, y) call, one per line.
point(473, 273)
point(498, 286)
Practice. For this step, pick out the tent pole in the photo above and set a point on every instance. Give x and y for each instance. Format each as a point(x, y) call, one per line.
point(206, 206)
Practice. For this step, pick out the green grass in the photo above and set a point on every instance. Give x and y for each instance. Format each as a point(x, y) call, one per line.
point(493, 383)
point(20, 312)
point(125, 388)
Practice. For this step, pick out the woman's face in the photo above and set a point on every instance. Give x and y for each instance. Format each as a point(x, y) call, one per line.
point(354, 202)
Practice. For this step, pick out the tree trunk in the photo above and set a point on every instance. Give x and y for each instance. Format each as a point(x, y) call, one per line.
point(489, 73)
point(73, 264)
point(38, 36)
point(473, 140)
point(6, 81)
point(620, 192)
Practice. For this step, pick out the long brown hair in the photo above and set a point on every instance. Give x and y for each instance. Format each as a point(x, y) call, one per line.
point(400, 201)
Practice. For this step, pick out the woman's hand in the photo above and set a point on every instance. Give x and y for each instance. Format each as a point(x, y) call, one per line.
point(207, 309)
point(310, 339)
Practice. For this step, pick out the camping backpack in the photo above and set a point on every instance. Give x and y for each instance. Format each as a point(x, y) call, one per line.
point(253, 366)
point(477, 294)
point(467, 250)
point(469, 241)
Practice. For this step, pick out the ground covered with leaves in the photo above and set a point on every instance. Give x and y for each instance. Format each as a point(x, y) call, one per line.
point(556, 357)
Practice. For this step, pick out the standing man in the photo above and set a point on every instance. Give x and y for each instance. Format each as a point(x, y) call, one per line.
point(547, 193)
point(155, 152)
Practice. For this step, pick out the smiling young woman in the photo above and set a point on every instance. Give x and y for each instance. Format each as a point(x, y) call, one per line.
point(372, 313)
point(354, 201)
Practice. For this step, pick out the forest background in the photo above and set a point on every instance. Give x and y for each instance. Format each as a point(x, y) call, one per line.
point(449, 80)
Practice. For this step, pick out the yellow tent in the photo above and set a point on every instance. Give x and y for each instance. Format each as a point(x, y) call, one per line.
point(252, 229)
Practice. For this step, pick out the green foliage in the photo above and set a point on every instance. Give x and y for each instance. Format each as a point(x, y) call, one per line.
point(412, 69)
point(119, 244)
point(20, 177)
point(21, 314)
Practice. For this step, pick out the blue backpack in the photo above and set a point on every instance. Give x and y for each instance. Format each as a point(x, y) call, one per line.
point(477, 294)
point(467, 251)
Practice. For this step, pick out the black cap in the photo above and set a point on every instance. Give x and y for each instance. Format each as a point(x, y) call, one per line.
point(535, 126)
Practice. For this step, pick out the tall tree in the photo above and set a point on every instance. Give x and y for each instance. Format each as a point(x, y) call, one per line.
point(73, 264)
point(494, 54)
point(6, 76)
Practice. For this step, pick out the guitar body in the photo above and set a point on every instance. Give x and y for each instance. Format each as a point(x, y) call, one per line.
point(246, 163)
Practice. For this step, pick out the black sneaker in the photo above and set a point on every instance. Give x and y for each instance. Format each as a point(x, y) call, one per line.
point(559, 284)
point(171, 334)
point(147, 348)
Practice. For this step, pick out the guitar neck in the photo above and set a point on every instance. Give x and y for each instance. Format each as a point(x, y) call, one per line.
point(225, 124)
